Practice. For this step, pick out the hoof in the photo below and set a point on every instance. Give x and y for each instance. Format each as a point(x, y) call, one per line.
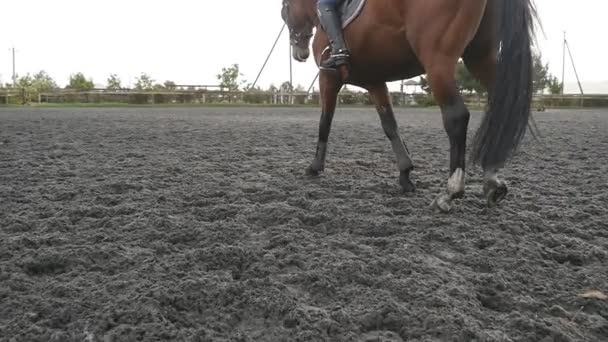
point(406, 183)
point(310, 171)
point(495, 193)
point(442, 204)
point(458, 195)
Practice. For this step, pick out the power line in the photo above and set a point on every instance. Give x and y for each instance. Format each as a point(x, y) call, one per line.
point(312, 84)
point(580, 87)
point(269, 54)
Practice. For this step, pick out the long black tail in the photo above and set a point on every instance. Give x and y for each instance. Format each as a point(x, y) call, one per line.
point(504, 125)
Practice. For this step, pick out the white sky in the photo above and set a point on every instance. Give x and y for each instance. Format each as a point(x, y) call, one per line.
point(189, 41)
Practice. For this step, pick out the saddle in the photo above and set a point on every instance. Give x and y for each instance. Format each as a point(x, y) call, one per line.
point(350, 10)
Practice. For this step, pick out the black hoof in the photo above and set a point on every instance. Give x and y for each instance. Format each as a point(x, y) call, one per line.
point(495, 193)
point(458, 195)
point(406, 183)
point(310, 171)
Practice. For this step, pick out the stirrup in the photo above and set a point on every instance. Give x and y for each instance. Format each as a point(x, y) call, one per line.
point(336, 60)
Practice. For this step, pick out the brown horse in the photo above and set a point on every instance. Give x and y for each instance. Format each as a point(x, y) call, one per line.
point(398, 39)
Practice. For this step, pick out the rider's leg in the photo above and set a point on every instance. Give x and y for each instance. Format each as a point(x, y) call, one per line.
point(331, 23)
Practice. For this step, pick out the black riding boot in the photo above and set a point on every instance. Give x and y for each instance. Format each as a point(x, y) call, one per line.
point(330, 20)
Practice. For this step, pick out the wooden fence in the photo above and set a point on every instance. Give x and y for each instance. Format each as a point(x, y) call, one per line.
point(204, 96)
point(12, 96)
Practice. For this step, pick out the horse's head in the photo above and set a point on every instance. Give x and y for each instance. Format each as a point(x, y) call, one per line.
point(299, 19)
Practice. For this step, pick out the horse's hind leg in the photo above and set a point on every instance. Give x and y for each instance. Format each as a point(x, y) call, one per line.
point(483, 69)
point(455, 120)
point(382, 100)
point(329, 87)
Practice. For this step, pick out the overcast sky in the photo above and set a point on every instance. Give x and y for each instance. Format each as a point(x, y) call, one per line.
point(189, 41)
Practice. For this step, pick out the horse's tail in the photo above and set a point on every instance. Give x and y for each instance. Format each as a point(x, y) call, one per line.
point(504, 125)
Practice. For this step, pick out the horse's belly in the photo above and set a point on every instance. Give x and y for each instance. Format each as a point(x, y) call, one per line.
point(385, 60)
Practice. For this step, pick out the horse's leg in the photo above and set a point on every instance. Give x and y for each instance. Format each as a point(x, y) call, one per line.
point(483, 69)
point(329, 85)
point(382, 100)
point(455, 120)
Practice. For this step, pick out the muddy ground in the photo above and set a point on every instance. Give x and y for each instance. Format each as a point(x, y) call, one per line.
point(198, 224)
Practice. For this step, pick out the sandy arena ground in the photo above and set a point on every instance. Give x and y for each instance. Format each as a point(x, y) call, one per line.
point(198, 224)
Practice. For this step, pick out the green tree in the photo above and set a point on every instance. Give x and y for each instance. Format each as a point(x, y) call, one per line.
point(25, 82)
point(466, 81)
point(169, 85)
point(80, 83)
point(34, 85)
point(541, 77)
point(229, 78)
point(144, 82)
point(273, 89)
point(42, 82)
point(424, 85)
point(286, 87)
point(555, 86)
point(114, 82)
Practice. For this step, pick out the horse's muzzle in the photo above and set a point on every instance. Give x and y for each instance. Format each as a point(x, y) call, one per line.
point(301, 55)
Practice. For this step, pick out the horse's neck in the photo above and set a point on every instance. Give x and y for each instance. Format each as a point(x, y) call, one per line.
point(313, 17)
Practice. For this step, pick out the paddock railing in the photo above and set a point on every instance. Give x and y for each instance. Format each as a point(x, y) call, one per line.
point(211, 96)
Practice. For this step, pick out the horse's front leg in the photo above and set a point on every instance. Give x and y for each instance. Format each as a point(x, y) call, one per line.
point(381, 98)
point(329, 85)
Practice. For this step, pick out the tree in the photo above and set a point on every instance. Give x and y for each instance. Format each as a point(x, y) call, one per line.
point(541, 76)
point(424, 84)
point(25, 82)
point(229, 78)
point(273, 89)
point(466, 81)
point(34, 85)
point(114, 82)
point(42, 82)
point(170, 85)
point(144, 82)
point(555, 86)
point(286, 87)
point(80, 83)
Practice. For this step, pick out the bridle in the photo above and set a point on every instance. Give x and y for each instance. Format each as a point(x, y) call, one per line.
point(294, 36)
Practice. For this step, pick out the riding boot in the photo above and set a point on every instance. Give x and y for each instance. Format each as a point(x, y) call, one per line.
point(330, 20)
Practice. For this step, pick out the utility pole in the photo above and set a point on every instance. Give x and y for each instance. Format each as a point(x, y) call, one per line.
point(14, 70)
point(564, 63)
point(567, 49)
point(291, 74)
